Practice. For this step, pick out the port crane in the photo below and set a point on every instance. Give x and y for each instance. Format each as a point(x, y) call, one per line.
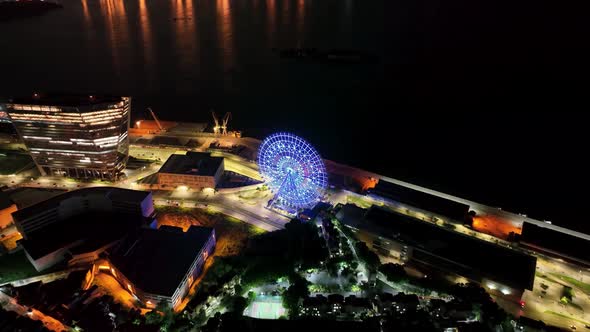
point(155, 119)
point(220, 127)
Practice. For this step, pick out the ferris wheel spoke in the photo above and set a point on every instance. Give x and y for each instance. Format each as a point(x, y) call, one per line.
point(293, 169)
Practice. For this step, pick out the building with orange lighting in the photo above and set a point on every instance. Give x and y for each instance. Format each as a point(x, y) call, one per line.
point(501, 271)
point(7, 207)
point(73, 135)
point(158, 266)
point(196, 170)
point(113, 230)
point(77, 226)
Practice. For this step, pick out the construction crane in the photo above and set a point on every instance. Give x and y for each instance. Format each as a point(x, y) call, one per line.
point(216, 120)
point(226, 118)
point(220, 128)
point(155, 118)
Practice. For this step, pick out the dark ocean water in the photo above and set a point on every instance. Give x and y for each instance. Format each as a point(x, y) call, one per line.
point(484, 99)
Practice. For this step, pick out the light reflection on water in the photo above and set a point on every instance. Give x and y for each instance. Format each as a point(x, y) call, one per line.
point(178, 20)
point(197, 49)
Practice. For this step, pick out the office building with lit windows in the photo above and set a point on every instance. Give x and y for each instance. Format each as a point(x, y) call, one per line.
point(73, 135)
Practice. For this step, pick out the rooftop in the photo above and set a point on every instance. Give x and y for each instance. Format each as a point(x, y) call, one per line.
point(156, 261)
point(312, 213)
point(116, 194)
point(350, 213)
point(555, 240)
point(24, 197)
point(5, 200)
point(193, 163)
point(65, 100)
point(424, 201)
point(84, 232)
point(487, 259)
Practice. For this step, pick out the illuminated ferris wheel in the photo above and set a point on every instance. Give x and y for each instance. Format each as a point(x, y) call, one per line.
point(293, 169)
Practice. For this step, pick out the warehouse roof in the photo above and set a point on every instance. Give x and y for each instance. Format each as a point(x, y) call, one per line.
point(115, 194)
point(550, 239)
point(143, 255)
point(64, 100)
point(5, 200)
point(92, 230)
point(193, 163)
point(490, 260)
point(424, 201)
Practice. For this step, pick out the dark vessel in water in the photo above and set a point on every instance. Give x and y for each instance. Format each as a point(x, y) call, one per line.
point(344, 56)
point(12, 9)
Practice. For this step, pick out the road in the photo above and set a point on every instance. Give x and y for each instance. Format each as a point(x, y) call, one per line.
point(544, 302)
point(229, 204)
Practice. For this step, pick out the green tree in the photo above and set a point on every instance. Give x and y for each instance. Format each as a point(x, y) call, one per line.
point(393, 272)
point(251, 297)
point(567, 293)
point(153, 317)
point(235, 304)
point(297, 291)
point(200, 318)
point(239, 305)
point(333, 266)
point(367, 256)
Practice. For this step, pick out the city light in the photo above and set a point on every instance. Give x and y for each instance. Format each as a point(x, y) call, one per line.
point(77, 140)
point(293, 169)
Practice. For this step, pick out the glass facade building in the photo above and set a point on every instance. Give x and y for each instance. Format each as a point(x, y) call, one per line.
point(74, 136)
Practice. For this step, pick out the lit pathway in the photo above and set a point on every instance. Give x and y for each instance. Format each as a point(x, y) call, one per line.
point(10, 304)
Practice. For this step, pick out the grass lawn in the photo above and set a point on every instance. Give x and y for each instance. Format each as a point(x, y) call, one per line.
point(12, 163)
point(358, 201)
point(231, 233)
point(254, 194)
point(564, 316)
point(15, 266)
point(544, 276)
point(575, 282)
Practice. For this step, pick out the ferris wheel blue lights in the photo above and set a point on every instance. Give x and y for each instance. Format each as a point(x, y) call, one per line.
point(293, 169)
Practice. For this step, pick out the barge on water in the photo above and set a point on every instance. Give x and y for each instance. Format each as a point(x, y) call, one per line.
point(12, 9)
point(344, 56)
